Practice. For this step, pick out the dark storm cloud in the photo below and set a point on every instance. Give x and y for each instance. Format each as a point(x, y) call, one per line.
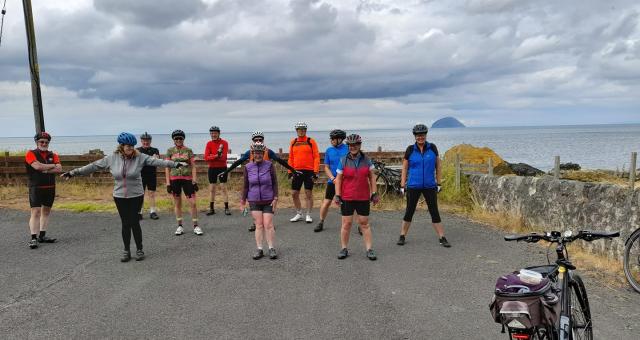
point(151, 13)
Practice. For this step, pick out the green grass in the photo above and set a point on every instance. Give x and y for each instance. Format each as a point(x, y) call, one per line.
point(86, 206)
point(13, 153)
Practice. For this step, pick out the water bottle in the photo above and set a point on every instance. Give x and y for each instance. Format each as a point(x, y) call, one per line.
point(245, 211)
point(220, 150)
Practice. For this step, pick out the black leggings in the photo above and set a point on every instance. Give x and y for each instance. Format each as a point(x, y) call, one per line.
point(128, 208)
point(430, 195)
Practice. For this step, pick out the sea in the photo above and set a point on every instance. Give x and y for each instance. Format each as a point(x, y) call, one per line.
point(592, 146)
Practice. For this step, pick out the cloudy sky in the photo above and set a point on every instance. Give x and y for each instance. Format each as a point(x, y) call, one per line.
point(156, 65)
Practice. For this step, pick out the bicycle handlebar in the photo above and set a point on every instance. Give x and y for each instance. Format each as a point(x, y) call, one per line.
point(557, 237)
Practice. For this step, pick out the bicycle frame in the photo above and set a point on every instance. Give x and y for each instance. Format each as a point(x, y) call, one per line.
point(563, 328)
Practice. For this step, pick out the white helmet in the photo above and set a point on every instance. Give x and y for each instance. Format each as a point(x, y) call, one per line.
point(257, 134)
point(301, 125)
point(258, 146)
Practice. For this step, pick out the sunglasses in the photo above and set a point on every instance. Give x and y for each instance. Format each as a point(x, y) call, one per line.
point(258, 139)
point(178, 138)
point(355, 144)
point(43, 142)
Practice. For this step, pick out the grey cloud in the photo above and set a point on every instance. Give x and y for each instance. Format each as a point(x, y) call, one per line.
point(151, 13)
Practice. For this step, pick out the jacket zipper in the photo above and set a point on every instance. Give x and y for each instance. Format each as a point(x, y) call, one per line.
point(124, 175)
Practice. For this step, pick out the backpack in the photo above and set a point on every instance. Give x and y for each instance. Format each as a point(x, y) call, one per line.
point(517, 304)
point(307, 141)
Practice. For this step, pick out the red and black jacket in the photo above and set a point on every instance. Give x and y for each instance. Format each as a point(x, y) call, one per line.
point(37, 178)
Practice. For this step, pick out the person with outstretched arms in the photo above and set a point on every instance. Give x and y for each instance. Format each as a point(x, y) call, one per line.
point(421, 175)
point(126, 165)
point(42, 167)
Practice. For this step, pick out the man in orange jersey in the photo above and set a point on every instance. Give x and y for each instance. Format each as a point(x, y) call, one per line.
point(304, 157)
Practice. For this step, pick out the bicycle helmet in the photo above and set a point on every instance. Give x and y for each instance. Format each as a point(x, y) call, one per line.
point(177, 133)
point(145, 135)
point(258, 146)
point(301, 125)
point(420, 129)
point(42, 135)
point(337, 134)
point(126, 138)
point(257, 134)
point(353, 139)
point(214, 128)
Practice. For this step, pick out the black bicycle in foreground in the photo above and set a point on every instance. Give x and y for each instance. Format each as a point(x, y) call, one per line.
point(527, 318)
point(632, 260)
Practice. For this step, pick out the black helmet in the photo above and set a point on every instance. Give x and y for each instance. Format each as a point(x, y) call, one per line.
point(420, 129)
point(145, 135)
point(214, 128)
point(177, 133)
point(337, 134)
point(42, 135)
point(353, 139)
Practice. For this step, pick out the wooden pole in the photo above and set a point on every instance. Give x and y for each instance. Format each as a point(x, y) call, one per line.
point(556, 169)
point(458, 170)
point(379, 148)
point(632, 170)
point(36, 95)
point(490, 172)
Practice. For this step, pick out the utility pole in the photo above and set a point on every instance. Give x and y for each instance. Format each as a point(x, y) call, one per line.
point(33, 66)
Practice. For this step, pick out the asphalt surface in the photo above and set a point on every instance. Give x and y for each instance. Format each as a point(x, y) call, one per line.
point(209, 287)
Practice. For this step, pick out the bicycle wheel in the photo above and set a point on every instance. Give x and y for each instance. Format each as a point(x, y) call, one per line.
point(581, 324)
point(382, 184)
point(632, 260)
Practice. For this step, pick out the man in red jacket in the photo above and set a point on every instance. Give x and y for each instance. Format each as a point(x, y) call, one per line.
point(216, 155)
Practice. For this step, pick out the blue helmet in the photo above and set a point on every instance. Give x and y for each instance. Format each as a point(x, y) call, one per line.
point(127, 139)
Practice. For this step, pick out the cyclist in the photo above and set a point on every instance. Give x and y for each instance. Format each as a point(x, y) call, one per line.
point(149, 175)
point(126, 165)
point(261, 190)
point(421, 173)
point(42, 165)
point(258, 136)
point(182, 179)
point(332, 157)
point(304, 157)
point(215, 154)
point(355, 189)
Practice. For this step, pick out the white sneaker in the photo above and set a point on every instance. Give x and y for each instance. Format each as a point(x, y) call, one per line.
point(296, 218)
point(197, 231)
point(309, 219)
point(179, 231)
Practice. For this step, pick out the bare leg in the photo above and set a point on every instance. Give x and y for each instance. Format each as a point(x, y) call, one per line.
point(44, 218)
point(225, 193)
point(194, 209)
point(34, 220)
point(212, 193)
point(177, 207)
point(366, 231)
point(295, 194)
point(324, 209)
point(347, 221)
point(269, 229)
point(258, 220)
point(151, 195)
point(405, 228)
point(309, 200)
point(439, 229)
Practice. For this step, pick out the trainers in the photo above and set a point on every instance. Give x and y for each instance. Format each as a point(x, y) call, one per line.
point(227, 211)
point(140, 218)
point(343, 254)
point(400, 241)
point(179, 231)
point(197, 231)
point(444, 242)
point(33, 243)
point(46, 239)
point(139, 255)
point(309, 219)
point(296, 218)
point(252, 227)
point(126, 256)
point(211, 212)
point(153, 216)
point(272, 253)
point(319, 227)
point(371, 255)
point(258, 255)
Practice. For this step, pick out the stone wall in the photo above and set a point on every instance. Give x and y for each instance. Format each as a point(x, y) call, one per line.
point(549, 204)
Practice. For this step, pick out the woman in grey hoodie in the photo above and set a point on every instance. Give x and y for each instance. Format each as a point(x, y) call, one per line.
point(125, 164)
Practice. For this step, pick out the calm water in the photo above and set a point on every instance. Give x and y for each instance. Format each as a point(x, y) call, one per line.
point(593, 147)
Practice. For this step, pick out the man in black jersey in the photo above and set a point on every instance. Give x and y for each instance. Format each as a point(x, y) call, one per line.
point(149, 175)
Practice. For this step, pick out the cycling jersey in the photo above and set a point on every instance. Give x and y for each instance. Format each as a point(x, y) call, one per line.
point(215, 147)
point(303, 154)
point(422, 166)
point(150, 151)
point(332, 158)
point(37, 178)
point(182, 154)
point(355, 177)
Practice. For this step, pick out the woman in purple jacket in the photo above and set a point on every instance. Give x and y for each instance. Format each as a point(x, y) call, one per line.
point(261, 190)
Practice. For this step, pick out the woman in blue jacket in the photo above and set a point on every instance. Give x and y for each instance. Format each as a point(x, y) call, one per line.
point(421, 175)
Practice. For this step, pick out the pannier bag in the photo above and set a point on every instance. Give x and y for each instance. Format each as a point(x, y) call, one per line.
point(520, 305)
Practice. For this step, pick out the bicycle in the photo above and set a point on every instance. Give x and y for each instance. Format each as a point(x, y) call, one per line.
point(632, 260)
point(574, 320)
point(388, 179)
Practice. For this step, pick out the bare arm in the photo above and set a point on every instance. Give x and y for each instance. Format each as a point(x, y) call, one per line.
point(338, 183)
point(167, 175)
point(42, 167)
point(194, 170)
point(327, 171)
point(56, 170)
point(372, 182)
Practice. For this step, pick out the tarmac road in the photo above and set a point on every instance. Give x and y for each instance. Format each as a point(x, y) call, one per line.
point(209, 287)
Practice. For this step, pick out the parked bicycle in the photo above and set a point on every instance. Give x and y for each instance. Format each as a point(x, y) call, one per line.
point(534, 314)
point(632, 260)
point(388, 179)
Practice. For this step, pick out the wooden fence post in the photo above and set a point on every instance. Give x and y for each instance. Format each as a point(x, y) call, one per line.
point(490, 172)
point(379, 148)
point(6, 163)
point(458, 170)
point(556, 168)
point(632, 170)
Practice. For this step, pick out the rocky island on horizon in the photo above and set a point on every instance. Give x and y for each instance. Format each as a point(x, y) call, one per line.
point(447, 122)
